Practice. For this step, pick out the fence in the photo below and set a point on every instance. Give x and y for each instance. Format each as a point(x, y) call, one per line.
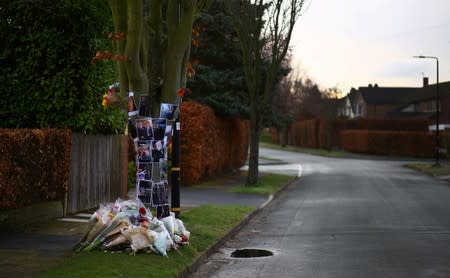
point(98, 171)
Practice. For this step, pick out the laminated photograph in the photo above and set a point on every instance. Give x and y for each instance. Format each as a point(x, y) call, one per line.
point(132, 107)
point(132, 131)
point(156, 172)
point(144, 151)
point(167, 135)
point(144, 106)
point(160, 194)
point(158, 151)
point(144, 128)
point(167, 111)
point(163, 170)
point(162, 211)
point(144, 170)
point(144, 191)
point(159, 128)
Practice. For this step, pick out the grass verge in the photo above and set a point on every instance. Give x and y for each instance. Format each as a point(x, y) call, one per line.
point(207, 225)
point(267, 184)
point(319, 152)
point(431, 169)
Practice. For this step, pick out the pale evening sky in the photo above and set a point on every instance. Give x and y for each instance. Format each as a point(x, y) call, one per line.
point(352, 43)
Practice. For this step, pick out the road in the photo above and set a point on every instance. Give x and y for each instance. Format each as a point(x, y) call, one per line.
point(344, 218)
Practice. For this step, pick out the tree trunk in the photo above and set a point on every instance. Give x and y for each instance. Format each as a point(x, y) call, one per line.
point(120, 26)
point(155, 74)
point(255, 130)
point(137, 78)
point(180, 16)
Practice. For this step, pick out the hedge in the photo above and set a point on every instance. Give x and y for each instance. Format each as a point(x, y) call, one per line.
point(305, 133)
point(398, 143)
point(403, 137)
point(210, 145)
point(34, 166)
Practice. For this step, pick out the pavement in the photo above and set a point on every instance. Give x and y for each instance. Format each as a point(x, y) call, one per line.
point(39, 248)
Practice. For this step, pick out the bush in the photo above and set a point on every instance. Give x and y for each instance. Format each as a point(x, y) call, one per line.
point(210, 145)
point(397, 143)
point(34, 166)
point(305, 133)
point(46, 61)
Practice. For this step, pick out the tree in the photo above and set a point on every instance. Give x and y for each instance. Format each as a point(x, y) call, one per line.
point(216, 57)
point(264, 29)
point(156, 45)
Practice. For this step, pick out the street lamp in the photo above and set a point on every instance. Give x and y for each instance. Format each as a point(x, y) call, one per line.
point(437, 104)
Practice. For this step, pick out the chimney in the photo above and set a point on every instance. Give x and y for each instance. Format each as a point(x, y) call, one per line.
point(425, 82)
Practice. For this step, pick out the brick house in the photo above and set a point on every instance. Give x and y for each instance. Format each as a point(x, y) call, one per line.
point(374, 102)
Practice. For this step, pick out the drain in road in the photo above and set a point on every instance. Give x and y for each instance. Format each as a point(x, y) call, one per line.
point(251, 253)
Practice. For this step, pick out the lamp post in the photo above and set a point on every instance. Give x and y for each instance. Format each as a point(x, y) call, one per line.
point(437, 105)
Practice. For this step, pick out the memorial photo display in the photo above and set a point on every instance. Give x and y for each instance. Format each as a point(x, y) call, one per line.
point(152, 137)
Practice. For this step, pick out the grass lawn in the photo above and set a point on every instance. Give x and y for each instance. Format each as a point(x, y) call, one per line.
point(267, 184)
point(207, 225)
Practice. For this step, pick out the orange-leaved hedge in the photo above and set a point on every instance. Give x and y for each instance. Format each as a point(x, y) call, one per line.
point(383, 124)
point(398, 143)
point(322, 133)
point(305, 133)
point(34, 166)
point(210, 145)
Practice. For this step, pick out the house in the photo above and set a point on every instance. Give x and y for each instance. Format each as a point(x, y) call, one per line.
point(344, 108)
point(375, 102)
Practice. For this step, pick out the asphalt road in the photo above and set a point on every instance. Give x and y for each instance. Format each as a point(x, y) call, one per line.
point(344, 218)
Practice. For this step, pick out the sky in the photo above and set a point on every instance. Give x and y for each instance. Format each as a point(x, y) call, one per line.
point(353, 43)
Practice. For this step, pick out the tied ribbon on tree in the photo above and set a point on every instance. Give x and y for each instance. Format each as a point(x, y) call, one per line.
point(190, 72)
point(182, 91)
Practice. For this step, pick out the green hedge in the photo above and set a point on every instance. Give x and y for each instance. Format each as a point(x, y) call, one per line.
point(46, 75)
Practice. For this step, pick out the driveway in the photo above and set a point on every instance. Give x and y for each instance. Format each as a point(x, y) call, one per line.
point(344, 218)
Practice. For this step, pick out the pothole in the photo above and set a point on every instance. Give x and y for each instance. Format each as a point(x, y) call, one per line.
point(251, 253)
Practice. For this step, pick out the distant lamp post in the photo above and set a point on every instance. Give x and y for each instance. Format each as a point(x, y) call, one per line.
point(437, 104)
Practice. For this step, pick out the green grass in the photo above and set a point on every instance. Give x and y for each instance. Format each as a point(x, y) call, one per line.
point(267, 184)
point(207, 183)
point(265, 137)
point(312, 151)
point(430, 169)
point(207, 225)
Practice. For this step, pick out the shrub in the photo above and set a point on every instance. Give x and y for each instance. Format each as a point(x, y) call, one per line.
point(34, 166)
point(46, 62)
point(210, 145)
point(398, 143)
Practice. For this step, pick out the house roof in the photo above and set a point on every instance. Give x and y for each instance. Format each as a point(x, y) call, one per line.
point(399, 95)
point(390, 95)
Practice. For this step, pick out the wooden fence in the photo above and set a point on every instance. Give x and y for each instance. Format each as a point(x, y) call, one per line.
point(98, 171)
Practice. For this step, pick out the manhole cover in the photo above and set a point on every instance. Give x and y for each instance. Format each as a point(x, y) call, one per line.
point(251, 253)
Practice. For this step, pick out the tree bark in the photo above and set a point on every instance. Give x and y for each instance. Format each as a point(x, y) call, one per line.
point(120, 26)
point(138, 81)
point(180, 16)
point(255, 131)
point(155, 67)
